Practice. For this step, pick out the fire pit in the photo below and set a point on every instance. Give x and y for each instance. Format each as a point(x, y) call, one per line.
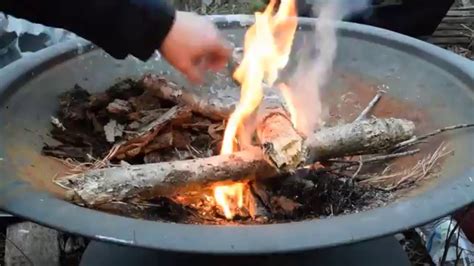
point(434, 82)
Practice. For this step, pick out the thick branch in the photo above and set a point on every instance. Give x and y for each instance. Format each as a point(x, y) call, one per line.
point(148, 180)
point(357, 138)
point(370, 107)
point(104, 185)
point(216, 104)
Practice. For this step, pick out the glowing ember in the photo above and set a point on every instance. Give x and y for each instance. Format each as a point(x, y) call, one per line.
point(230, 198)
point(266, 51)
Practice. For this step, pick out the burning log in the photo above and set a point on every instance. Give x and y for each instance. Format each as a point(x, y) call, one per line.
point(112, 184)
point(283, 146)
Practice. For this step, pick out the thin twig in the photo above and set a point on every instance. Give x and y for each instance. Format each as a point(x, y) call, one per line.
point(386, 169)
point(76, 167)
point(467, 28)
point(18, 248)
point(423, 167)
point(377, 158)
point(415, 139)
point(361, 163)
point(391, 156)
point(370, 107)
point(56, 182)
point(180, 156)
point(416, 173)
point(191, 151)
point(410, 144)
point(194, 149)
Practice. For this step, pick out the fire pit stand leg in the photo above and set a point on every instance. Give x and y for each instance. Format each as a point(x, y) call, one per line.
point(386, 251)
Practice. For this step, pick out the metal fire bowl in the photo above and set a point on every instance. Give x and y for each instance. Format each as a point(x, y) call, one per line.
point(438, 81)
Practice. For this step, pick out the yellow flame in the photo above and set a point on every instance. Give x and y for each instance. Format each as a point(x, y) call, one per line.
point(267, 47)
point(230, 197)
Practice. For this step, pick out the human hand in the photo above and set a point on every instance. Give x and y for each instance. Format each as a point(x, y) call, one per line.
point(194, 45)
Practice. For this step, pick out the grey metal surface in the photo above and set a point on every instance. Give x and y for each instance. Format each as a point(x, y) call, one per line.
point(369, 253)
point(436, 80)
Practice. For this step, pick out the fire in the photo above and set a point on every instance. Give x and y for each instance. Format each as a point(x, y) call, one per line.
point(230, 197)
point(267, 47)
point(266, 51)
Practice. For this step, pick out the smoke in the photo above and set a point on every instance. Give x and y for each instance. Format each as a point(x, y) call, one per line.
point(312, 74)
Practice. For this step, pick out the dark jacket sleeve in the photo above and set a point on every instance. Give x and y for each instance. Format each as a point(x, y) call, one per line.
point(120, 27)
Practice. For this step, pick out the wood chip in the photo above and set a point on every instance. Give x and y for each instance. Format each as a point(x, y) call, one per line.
point(216, 131)
point(119, 106)
point(99, 100)
point(144, 117)
point(55, 121)
point(145, 134)
point(146, 101)
point(113, 130)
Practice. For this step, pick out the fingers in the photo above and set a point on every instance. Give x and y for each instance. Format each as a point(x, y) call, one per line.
point(218, 57)
point(194, 73)
point(193, 46)
point(213, 57)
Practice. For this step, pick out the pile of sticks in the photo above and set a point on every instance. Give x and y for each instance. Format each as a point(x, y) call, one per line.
point(279, 149)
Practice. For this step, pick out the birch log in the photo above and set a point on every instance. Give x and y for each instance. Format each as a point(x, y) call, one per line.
point(112, 184)
point(283, 147)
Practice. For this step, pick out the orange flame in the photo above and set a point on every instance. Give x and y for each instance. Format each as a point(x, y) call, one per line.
point(266, 51)
point(267, 48)
point(230, 197)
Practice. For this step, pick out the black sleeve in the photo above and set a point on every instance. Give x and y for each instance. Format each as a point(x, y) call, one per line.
point(120, 27)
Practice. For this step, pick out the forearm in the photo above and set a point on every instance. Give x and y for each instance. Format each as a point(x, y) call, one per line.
point(120, 27)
